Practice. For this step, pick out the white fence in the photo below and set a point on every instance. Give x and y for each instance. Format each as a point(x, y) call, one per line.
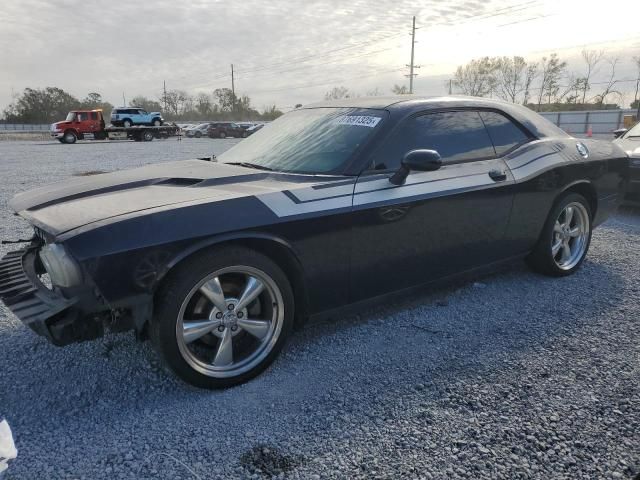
point(600, 121)
point(24, 127)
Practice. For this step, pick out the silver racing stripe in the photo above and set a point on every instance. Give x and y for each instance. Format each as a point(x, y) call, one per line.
point(521, 165)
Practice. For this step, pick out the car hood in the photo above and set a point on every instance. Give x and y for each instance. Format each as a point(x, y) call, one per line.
point(61, 124)
point(630, 145)
point(74, 203)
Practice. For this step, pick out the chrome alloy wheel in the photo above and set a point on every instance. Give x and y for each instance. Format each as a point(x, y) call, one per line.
point(570, 236)
point(230, 321)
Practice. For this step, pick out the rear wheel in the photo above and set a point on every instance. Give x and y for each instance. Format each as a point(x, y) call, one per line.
point(69, 137)
point(222, 135)
point(244, 135)
point(565, 238)
point(147, 135)
point(222, 317)
point(157, 122)
point(198, 134)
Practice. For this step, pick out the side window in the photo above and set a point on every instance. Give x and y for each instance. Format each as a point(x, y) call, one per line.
point(503, 132)
point(83, 116)
point(457, 136)
point(94, 115)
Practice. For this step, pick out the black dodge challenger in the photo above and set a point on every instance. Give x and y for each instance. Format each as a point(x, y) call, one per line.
point(330, 206)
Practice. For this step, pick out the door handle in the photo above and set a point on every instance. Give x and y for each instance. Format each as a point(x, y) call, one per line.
point(498, 175)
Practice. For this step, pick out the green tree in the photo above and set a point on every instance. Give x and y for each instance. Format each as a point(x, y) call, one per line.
point(46, 105)
point(270, 113)
point(146, 103)
point(94, 101)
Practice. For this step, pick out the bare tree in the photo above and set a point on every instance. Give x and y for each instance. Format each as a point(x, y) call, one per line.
point(373, 93)
point(203, 104)
point(337, 93)
point(592, 58)
point(530, 75)
point(177, 100)
point(551, 70)
point(510, 77)
point(477, 78)
point(610, 84)
point(400, 89)
point(636, 101)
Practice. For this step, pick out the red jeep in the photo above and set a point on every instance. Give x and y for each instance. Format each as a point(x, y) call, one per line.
point(78, 124)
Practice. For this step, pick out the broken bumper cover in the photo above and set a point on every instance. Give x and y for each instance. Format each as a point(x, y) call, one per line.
point(45, 311)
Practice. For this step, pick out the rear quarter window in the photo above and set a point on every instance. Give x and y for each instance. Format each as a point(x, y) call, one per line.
point(504, 133)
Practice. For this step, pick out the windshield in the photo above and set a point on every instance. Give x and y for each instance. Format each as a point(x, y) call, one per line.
point(634, 131)
point(71, 116)
point(318, 140)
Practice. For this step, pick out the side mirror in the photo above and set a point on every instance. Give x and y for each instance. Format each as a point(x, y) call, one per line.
point(618, 133)
point(418, 160)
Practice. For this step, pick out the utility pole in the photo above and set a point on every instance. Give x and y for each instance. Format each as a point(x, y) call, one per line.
point(411, 65)
point(450, 85)
point(164, 95)
point(124, 100)
point(233, 91)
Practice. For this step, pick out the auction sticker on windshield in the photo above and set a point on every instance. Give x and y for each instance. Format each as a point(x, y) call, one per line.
point(358, 120)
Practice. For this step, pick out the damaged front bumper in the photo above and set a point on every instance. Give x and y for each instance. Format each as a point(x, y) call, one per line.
point(47, 311)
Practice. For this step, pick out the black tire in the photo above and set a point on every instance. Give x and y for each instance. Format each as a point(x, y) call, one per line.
point(178, 288)
point(126, 123)
point(244, 135)
point(69, 137)
point(156, 122)
point(542, 259)
point(222, 135)
point(197, 134)
point(147, 136)
point(61, 140)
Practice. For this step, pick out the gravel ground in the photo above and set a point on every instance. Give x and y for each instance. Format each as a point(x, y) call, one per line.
point(513, 376)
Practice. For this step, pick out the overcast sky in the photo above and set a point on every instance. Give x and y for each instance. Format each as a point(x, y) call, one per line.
point(288, 52)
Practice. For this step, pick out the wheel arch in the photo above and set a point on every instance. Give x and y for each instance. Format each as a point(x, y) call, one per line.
point(587, 190)
point(274, 247)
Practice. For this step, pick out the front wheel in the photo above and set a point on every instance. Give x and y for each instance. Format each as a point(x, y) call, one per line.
point(147, 135)
point(69, 137)
point(157, 122)
point(565, 238)
point(222, 317)
point(198, 134)
point(127, 123)
point(222, 135)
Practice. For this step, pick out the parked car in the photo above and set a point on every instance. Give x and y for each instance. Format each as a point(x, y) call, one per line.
point(226, 129)
point(253, 129)
point(128, 116)
point(629, 141)
point(197, 131)
point(334, 205)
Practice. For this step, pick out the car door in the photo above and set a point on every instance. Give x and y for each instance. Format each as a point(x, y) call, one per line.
point(136, 116)
point(437, 223)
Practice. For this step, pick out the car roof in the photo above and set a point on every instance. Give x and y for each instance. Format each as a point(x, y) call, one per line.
point(409, 104)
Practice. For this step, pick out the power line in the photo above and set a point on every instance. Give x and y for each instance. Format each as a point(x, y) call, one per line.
point(312, 57)
point(329, 82)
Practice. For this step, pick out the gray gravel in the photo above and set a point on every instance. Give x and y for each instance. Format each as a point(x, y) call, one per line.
point(512, 376)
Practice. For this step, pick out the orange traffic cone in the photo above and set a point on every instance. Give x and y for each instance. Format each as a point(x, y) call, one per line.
point(589, 132)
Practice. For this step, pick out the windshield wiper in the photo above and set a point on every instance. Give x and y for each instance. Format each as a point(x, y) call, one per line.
point(251, 165)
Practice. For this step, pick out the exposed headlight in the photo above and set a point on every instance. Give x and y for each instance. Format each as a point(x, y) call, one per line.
point(62, 269)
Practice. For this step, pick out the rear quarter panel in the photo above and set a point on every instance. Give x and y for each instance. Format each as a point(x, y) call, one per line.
point(546, 168)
